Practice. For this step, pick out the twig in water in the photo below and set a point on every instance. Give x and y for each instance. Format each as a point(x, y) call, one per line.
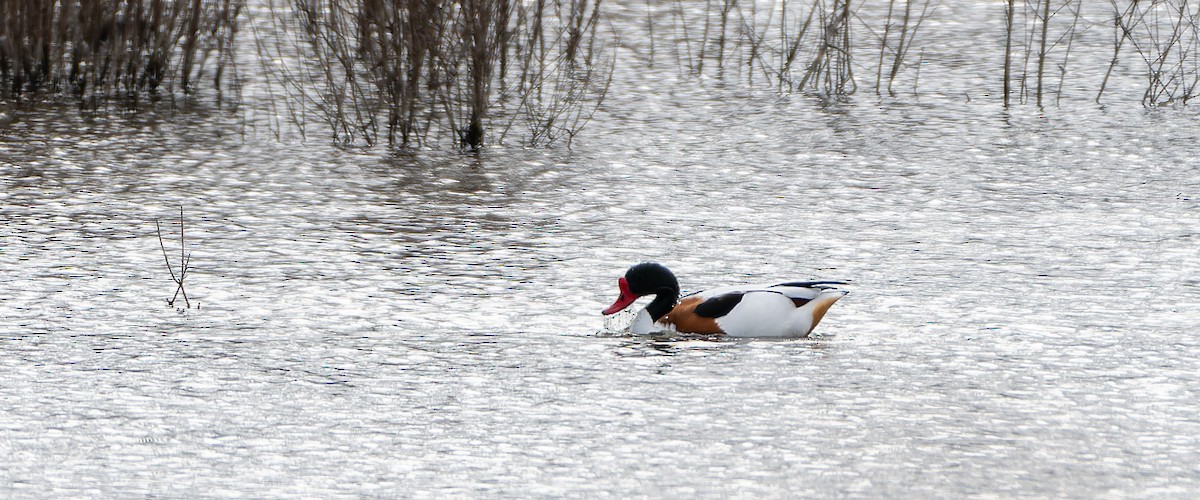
point(184, 259)
point(1008, 14)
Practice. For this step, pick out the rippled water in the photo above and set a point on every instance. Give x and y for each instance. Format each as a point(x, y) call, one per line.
point(1022, 320)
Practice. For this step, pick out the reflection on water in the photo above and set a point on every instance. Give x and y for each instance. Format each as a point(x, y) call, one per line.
point(427, 324)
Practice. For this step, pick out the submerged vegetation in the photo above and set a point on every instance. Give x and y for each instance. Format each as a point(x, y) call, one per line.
point(808, 45)
point(839, 47)
point(412, 73)
point(1162, 36)
point(471, 72)
point(114, 48)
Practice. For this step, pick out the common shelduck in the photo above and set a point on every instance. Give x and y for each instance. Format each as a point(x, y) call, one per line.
point(790, 309)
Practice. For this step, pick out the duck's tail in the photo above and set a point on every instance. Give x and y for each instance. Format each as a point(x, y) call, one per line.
point(812, 312)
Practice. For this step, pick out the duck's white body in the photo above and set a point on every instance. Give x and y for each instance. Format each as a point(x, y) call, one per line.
point(767, 312)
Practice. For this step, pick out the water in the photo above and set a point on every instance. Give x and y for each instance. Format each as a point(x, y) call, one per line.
point(1022, 321)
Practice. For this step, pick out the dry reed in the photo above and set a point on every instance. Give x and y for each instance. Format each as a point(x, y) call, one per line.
point(1166, 38)
point(898, 47)
point(185, 260)
point(415, 73)
point(816, 45)
point(807, 45)
point(1163, 34)
point(114, 47)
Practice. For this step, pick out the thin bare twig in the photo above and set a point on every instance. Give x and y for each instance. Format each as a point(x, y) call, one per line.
point(185, 260)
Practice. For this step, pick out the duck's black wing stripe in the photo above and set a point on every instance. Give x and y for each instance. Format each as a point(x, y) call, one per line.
point(718, 306)
point(807, 284)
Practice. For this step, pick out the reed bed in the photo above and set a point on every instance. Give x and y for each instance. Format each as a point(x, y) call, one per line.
point(1165, 36)
point(115, 47)
point(810, 46)
point(826, 47)
point(412, 73)
point(1161, 37)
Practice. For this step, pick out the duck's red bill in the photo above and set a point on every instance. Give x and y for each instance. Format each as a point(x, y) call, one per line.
point(627, 297)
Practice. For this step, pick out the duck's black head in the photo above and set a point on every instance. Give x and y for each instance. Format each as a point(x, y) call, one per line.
point(647, 278)
point(651, 278)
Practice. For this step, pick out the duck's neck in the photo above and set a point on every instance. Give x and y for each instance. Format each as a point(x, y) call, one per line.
point(662, 304)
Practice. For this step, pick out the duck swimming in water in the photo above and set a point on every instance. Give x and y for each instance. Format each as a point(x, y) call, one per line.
point(789, 309)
